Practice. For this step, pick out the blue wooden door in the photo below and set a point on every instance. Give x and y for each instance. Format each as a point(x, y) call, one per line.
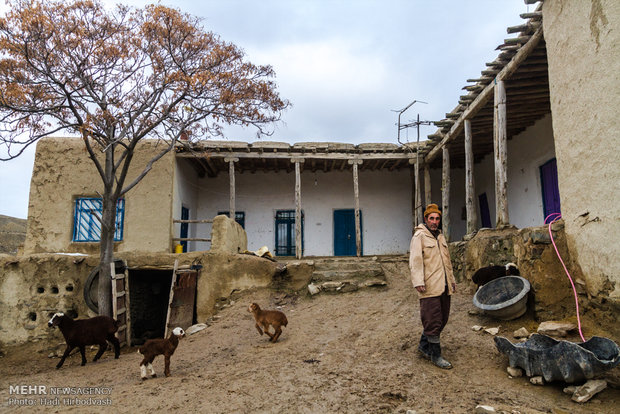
point(550, 189)
point(344, 232)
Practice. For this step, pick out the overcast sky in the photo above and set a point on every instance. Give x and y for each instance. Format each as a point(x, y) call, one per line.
point(343, 64)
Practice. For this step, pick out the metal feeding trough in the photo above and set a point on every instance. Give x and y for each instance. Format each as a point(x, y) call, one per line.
point(503, 298)
point(561, 360)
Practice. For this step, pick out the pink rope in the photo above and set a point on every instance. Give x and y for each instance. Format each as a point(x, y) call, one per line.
point(557, 217)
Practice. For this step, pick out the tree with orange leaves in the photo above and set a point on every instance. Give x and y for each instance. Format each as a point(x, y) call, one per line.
point(116, 77)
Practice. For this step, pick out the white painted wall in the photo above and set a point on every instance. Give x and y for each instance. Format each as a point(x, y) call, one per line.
point(185, 195)
point(385, 201)
point(526, 153)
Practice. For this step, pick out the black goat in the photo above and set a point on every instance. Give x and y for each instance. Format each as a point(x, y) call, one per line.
point(82, 332)
point(485, 274)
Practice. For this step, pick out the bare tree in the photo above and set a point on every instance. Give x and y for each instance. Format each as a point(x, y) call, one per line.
point(116, 77)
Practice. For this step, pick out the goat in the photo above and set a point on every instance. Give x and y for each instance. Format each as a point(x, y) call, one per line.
point(82, 332)
point(265, 318)
point(159, 346)
point(485, 274)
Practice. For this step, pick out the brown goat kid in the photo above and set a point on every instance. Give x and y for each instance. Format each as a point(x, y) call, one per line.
point(159, 346)
point(265, 318)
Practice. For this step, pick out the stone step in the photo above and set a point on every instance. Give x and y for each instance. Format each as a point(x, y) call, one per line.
point(344, 286)
point(351, 273)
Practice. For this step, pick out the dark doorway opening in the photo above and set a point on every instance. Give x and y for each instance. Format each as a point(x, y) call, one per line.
point(149, 294)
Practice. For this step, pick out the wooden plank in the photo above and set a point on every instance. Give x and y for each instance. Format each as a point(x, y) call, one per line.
point(193, 221)
point(418, 195)
point(121, 293)
point(171, 296)
point(470, 190)
point(445, 194)
point(486, 94)
point(181, 311)
point(190, 239)
point(427, 185)
point(318, 155)
point(500, 138)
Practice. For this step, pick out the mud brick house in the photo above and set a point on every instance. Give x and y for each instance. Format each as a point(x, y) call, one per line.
point(535, 134)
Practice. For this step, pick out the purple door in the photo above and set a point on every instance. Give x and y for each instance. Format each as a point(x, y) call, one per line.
point(550, 190)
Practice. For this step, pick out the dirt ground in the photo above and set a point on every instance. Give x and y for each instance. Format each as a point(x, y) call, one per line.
point(346, 353)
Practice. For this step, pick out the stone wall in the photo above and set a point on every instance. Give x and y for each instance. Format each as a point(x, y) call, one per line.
point(583, 45)
point(532, 251)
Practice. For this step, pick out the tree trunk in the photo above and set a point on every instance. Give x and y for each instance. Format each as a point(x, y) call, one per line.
point(104, 294)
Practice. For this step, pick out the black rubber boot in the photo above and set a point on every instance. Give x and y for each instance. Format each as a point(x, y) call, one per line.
point(436, 357)
point(424, 348)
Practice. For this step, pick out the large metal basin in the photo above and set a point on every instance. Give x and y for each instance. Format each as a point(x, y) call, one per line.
point(504, 298)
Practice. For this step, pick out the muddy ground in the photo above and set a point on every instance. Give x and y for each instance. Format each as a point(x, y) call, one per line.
point(346, 353)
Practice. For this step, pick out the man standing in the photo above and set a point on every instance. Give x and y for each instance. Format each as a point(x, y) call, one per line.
point(431, 274)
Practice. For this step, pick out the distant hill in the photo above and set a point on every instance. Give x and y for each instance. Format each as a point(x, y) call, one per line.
point(12, 234)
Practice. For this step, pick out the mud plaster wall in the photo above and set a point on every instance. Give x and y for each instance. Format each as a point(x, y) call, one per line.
point(227, 236)
point(62, 171)
point(43, 284)
point(583, 46)
point(531, 250)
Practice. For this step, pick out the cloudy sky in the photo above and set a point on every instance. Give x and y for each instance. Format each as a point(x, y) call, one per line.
point(345, 65)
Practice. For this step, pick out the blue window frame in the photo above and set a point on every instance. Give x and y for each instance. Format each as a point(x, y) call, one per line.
point(239, 217)
point(87, 219)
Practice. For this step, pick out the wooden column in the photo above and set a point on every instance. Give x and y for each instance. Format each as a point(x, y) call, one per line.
point(427, 185)
point(231, 173)
point(445, 194)
point(298, 246)
point(470, 190)
point(356, 194)
point(500, 136)
point(418, 194)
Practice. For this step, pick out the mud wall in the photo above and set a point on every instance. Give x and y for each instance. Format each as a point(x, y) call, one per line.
point(227, 236)
point(583, 45)
point(63, 171)
point(34, 287)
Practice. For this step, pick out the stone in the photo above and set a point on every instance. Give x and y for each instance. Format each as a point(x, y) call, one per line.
point(483, 409)
point(474, 312)
point(492, 331)
point(195, 328)
point(570, 389)
point(589, 390)
point(553, 328)
point(521, 333)
point(373, 282)
point(331, 286)
point(538, 380)
point(477, 328)
point(313, 289)
point(515, 372)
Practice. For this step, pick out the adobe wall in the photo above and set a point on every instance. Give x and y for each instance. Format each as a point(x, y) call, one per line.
point(583, 47)
point(63, 171)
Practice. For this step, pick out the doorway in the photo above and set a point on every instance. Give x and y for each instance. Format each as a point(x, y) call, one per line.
point(550, 189)
point(149, 294)
point(344, 232)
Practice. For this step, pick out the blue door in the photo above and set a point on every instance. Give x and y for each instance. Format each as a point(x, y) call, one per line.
point(184, 227)
point(344, 232)
point(550, 190)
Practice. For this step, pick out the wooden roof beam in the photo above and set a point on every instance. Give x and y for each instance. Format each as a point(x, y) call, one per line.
point(487, 93)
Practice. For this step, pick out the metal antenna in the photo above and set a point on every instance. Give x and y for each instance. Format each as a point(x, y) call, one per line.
point(400, 126)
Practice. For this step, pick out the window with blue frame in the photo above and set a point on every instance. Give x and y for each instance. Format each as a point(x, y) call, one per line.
point(87, 219)
point(239, 217)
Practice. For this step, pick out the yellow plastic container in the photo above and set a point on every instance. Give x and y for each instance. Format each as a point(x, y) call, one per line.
point(178, 248)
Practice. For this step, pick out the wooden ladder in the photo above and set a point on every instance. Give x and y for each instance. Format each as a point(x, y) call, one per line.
point(120, 304)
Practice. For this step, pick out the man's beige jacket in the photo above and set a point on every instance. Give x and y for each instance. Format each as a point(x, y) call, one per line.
point(429, 262)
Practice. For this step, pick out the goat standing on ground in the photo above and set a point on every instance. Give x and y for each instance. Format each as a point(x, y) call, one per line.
point(485, 274)
point(82, 332)
point(265, 318)
point(159, 346)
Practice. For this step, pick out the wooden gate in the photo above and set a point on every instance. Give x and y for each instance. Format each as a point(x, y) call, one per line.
point(120, 304)
point(182, 296)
